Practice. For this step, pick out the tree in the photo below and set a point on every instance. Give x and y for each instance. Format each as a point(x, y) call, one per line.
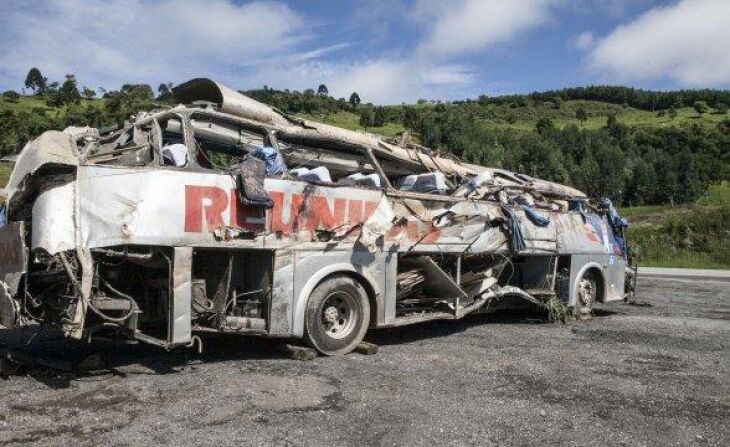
point(66, 94)
point(354, 99)
point(700, 107)
point(308, 92)
point(88, 93)
point(672, 113)
point(142, 92)
point(379, 117)
point(543, 125)
point(69, 89)
point(366, 118)
point(322, 90)
point(581, 114)
point(557, 103)
point(165, 92)
point(641, 184)
point(611, 120)
point(35, 81)
point(410, 117)
point(721, 108)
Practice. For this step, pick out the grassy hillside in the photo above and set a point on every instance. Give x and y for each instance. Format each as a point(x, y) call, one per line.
point(25, 103)
point(524, 118)
point(692, 236)
point(351, 121)
point(597, 114)
point(513, 116)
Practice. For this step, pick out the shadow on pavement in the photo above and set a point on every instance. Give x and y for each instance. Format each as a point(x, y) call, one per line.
point(57, 361)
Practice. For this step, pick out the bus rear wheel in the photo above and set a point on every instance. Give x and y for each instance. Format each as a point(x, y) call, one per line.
point(337, 317)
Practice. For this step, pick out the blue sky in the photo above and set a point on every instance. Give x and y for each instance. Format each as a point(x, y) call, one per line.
point(388, 51)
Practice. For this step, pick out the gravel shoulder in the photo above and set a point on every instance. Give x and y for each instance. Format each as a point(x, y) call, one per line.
point(653, 375)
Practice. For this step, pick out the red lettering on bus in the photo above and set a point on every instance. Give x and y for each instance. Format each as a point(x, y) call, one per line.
point(306, 212)
point(216, 202)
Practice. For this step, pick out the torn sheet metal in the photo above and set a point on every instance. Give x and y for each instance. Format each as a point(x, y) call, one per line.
point(13, 255)
point(50, 148)
point(320, 135)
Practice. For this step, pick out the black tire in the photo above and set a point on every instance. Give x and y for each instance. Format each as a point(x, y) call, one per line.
point(337, 316)
point(586, 294)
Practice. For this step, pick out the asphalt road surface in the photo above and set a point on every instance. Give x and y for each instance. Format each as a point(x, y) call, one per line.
point(715, 275)
point(648, 375)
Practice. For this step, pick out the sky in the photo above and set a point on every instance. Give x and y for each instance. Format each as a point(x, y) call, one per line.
point(389, 51)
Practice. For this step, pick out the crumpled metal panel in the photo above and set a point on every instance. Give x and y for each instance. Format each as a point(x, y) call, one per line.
point(13, 255)
point(52, 147)
point(181, 298)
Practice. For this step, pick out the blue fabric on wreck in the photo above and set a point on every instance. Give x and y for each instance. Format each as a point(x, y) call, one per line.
point(273, 159)
point(535, 217)
point(614, 219)
point(617, 223)
point(516, 238)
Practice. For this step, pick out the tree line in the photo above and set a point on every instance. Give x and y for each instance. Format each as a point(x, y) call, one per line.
point(637, 98)
point(631, 165)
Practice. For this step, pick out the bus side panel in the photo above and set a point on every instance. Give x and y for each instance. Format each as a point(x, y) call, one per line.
point(282, 294)
point(615, 275)
point(612, 267)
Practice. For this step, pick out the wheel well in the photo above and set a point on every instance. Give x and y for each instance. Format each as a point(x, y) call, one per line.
point(363, 281)
point(597, 275)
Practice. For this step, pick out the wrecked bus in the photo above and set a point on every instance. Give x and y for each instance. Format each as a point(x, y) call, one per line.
point(227, 215)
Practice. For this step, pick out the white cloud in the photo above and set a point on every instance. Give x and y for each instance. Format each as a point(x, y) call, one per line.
point(425, 72)
point(584, 40)
point(685, 42)
point(381, 80)
point(449, 74)
point(116, 41)
point(474, 25)
point(377, 81)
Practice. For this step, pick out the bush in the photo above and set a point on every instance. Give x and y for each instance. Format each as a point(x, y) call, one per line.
point(11, 96)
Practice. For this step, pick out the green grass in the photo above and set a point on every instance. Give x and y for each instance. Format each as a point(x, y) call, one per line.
point(5, 169)
point(31, 103)
point(716, 195)
point(25, 103)
point(505, 117)
point(598, 113)
point(351, 121)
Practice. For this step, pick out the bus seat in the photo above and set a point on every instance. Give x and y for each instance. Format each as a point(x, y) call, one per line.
point(432, 182)
point(318, 174)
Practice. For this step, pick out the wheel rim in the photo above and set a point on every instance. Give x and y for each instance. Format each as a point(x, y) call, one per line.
point(586, 292)
point(338, 315)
